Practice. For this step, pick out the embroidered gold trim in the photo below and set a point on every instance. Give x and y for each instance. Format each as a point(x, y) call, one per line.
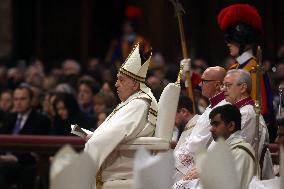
point(246, 150)
point(99, 181)
point(153, 112)
point(133, 76)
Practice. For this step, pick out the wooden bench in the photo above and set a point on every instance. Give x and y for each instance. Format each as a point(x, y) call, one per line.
point(43, 147)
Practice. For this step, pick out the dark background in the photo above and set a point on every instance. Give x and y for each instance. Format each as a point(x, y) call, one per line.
point(53, 30)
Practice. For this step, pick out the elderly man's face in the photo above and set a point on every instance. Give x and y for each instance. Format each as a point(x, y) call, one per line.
point(232, 88)
point(208, 84)
point(125, 86)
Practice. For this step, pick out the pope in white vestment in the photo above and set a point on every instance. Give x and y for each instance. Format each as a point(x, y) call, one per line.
point(134, 117)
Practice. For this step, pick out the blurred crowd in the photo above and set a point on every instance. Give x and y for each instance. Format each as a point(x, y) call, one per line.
point(84, 93)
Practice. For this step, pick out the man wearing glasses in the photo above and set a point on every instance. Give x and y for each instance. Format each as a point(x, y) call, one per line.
point(242, 28)
point(200, 138)
point(237, 87)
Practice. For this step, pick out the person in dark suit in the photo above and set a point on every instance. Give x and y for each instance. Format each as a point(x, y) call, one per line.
point(21, 167)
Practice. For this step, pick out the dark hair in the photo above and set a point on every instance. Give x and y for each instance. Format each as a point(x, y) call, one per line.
point(144, 55)
point(185, 102)
point(280, 122)
point(241, 33)
point(228, 113)
point(27, 87)
point(70, 103)
point(7, 91)
point(90, 82)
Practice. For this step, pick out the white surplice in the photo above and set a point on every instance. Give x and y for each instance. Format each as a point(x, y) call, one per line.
point(200, 138)
point(187, 131)
point(243, 154)
point(128, 121)
point(249, 124)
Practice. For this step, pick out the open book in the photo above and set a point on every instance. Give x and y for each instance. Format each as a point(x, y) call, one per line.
point(81, 132)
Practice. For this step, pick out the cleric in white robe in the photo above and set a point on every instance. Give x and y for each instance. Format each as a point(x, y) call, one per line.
point(237, 88)
point(200, 137)
point(134, 117)
point(225, 122)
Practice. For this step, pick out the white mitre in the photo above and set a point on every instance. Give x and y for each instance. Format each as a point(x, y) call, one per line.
point(217, 169)
point(70, 170)
point(133, 68)
point(148, 170)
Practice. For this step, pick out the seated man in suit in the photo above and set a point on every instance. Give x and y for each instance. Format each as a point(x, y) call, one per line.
point(226, 123)
point(24, 121)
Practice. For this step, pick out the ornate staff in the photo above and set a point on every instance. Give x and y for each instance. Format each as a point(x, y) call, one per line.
point(257, 106)
point(179, 11)
point(177, 83)
point(281, 91)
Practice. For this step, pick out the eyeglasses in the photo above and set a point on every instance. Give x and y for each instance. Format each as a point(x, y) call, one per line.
point(229, 85)
point(204, 81)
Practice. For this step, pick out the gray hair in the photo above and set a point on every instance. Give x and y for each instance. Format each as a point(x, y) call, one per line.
point(74, 66)
point(243, 77)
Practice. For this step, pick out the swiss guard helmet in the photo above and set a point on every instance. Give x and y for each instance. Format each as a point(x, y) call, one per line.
point(241, 24)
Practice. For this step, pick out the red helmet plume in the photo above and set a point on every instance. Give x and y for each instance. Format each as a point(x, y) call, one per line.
point(239, 13)
point(133, 12)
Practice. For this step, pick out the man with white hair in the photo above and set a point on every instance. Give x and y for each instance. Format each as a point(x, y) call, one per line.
point(134, 117)
point(71, 71)
point(70, 67)
point(237, 90)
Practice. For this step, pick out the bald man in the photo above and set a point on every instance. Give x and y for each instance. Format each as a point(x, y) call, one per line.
point(211, 84)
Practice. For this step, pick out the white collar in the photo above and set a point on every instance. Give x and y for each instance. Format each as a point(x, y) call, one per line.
point(244, 57)
point(24, 117)
point(136, 94)
point(232, 138)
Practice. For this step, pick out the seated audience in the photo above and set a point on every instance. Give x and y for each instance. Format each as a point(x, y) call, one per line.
point(20, 168)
